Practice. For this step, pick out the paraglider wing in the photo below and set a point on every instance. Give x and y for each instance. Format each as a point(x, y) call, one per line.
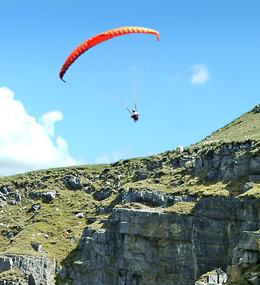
point(101, 38)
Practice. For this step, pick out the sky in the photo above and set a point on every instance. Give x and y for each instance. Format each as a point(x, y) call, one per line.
point(202, 74)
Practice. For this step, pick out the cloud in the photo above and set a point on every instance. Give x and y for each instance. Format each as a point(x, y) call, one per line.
point(26, 144)
point(48, 121)
point(200, 74)
point(110, 158)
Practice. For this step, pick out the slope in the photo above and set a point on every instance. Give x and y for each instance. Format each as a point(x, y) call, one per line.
point(52, 207)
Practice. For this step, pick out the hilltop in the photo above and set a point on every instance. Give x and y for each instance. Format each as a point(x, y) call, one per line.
point(43, 213)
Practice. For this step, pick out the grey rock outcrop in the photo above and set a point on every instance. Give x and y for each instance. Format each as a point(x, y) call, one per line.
point(246, 255)
point(49, 196)
point(217, 277)
point(39, 270)
point(36, 207)
point(104, 193)
point(75, 182)
point(141, 174)
point(152, 247)
point(157, 199)
point(228, 161)
point(37, 246)
point(8, 196)
point(155, 246)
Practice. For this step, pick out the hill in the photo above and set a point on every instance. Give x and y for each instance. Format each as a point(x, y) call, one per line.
point(44, 213)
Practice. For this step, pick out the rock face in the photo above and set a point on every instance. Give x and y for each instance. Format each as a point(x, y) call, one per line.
point(229, 161)
point(248, 248)
point(156, 246)
point(38, 270)
point(145, 247)
point(157, 199)
point(216, 277)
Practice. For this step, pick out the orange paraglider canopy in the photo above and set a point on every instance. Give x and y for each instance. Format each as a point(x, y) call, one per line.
point(101, 38)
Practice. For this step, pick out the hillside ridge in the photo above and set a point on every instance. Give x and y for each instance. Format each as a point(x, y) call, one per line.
point(44, 213)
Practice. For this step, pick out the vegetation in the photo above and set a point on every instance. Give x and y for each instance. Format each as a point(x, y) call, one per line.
point(58, 224)
point(13, 275)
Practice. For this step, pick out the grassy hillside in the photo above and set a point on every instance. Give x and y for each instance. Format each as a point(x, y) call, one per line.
point(58, 224)
point(246, 127)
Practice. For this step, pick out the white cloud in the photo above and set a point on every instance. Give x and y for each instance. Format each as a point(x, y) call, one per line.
point(200, 74)
point(110, 158)
point(26, 144)
point(48, 121)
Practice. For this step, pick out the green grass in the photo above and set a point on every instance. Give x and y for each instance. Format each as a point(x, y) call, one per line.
point(13, 275)
point(58, 219)
point(244, 128)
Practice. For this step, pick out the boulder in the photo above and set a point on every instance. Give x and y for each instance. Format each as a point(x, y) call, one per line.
point(37, 246)
point(34, 194)
point(36, 207)
point(141, 174)
point(75, 182)
point(49, 196)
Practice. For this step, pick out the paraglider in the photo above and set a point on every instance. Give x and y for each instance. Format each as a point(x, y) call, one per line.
point(96, 40)
point(135, 115)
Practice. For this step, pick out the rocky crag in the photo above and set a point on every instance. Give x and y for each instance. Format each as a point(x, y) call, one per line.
point(187, 216)
point(152, 247)
point(31, 270)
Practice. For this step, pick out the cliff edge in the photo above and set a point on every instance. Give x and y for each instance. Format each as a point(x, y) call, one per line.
point(185, 216)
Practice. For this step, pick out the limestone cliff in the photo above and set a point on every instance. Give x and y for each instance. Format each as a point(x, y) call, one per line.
point(152, 247)
point(183, 217)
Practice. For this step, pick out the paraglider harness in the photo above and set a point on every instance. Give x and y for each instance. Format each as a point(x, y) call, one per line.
point(134, 114)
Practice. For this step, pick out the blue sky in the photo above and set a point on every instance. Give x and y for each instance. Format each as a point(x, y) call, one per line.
point(205, 73)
